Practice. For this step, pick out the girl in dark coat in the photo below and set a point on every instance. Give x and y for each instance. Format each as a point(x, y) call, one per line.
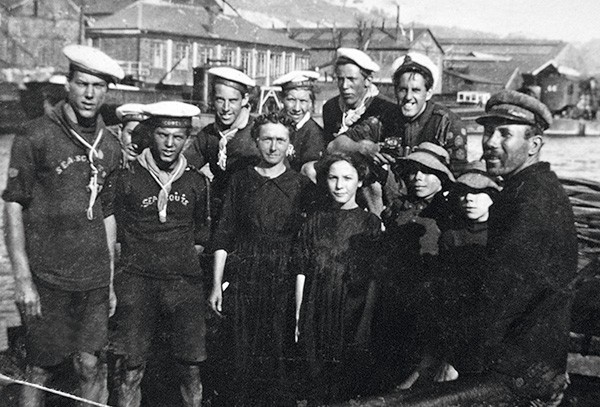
point(262, 213)
point(335, 286)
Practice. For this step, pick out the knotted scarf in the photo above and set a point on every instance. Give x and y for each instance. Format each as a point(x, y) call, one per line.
point(351, 116)
point(164, 179)
point(240, 122)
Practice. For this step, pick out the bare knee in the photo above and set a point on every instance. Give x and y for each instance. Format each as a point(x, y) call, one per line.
point(133, 377)
point(37, 375)
point(86, 366)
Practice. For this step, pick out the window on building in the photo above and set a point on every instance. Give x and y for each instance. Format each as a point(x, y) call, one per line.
point(205, 54)
point(276, 64)
point(302, 62)
point(288, 63)
point(229, 55)
point(246, 61)
point(157, 54)
point(182, 56)
point(261, 64)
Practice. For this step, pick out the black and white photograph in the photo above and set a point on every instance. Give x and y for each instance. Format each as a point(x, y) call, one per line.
point(282, 203)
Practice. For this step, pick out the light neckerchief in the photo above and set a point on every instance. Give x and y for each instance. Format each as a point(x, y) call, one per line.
point(164, 179)
point(303, 121)
point(93, 186)
point(351, 116)
point(240, 122)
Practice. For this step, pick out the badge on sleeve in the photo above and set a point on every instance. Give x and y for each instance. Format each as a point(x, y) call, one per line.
point(13, 172)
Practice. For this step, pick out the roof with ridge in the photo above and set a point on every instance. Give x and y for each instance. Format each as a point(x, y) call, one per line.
point(190, 21)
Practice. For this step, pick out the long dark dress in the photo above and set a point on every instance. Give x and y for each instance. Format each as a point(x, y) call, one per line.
point(260, 218)
point(336, 253)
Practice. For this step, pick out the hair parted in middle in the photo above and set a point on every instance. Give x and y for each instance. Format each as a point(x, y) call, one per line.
point(356, 160)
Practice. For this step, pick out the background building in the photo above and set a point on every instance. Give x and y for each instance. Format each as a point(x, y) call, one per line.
point(160, 42)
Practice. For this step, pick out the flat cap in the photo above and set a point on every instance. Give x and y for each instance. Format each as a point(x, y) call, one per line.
point(416, 62)
point(93, 61)
point(516, 107)
point(232, 77)
point(297, 79)
point(357, 57)
point(170, 114)
point(475, 176)
point(131, 112)
point(431, 156)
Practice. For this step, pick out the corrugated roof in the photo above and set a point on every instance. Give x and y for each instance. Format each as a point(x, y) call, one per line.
point(92, 7)
point(522, 55)
point(471, 78)
point(330, 37)
point(189, 21)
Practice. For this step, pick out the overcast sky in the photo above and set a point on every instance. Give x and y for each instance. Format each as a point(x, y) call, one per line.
point(569, 20)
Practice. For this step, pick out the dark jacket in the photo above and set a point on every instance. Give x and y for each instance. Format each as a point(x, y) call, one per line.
point(437, 124)
point(241, 152)
point(532, 258)
point(366, 127)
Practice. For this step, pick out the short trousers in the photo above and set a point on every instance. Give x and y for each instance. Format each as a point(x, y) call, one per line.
point(143, 302)
point(71, 321)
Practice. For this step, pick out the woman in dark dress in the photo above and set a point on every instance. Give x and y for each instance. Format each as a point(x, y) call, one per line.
point(262, 213)
point(335, 286)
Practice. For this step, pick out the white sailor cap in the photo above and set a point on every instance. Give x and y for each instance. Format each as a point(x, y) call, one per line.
point(415, 62)
point(232, 77)
point(297, 79)
point(131, 112)
point(93, 61)
point(357, 57)
point(170, 114)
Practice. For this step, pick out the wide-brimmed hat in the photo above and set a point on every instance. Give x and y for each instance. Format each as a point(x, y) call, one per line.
point(475, 176)
point(431, 156)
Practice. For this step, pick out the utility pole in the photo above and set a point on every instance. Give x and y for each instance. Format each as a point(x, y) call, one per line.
point(81, 22)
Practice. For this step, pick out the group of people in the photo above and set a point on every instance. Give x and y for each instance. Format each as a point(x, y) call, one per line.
point(358, 258)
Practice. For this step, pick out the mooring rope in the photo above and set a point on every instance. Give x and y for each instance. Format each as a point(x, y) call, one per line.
point(49, 390)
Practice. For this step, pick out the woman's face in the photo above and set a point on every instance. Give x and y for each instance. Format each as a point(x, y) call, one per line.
point(476, 206)
point(343, 182)
point(424, 185)
point(273, 142)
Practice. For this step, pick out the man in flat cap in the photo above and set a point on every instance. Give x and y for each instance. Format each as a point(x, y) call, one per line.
point(523, 307)
point(308, 142)
point(532, 249)
point(358, 118)
point(60, 228)
point(225, 145)
point(422, 119)
point(161, 203)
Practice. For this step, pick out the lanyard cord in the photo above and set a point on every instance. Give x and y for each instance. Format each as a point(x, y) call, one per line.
point(93, 185)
